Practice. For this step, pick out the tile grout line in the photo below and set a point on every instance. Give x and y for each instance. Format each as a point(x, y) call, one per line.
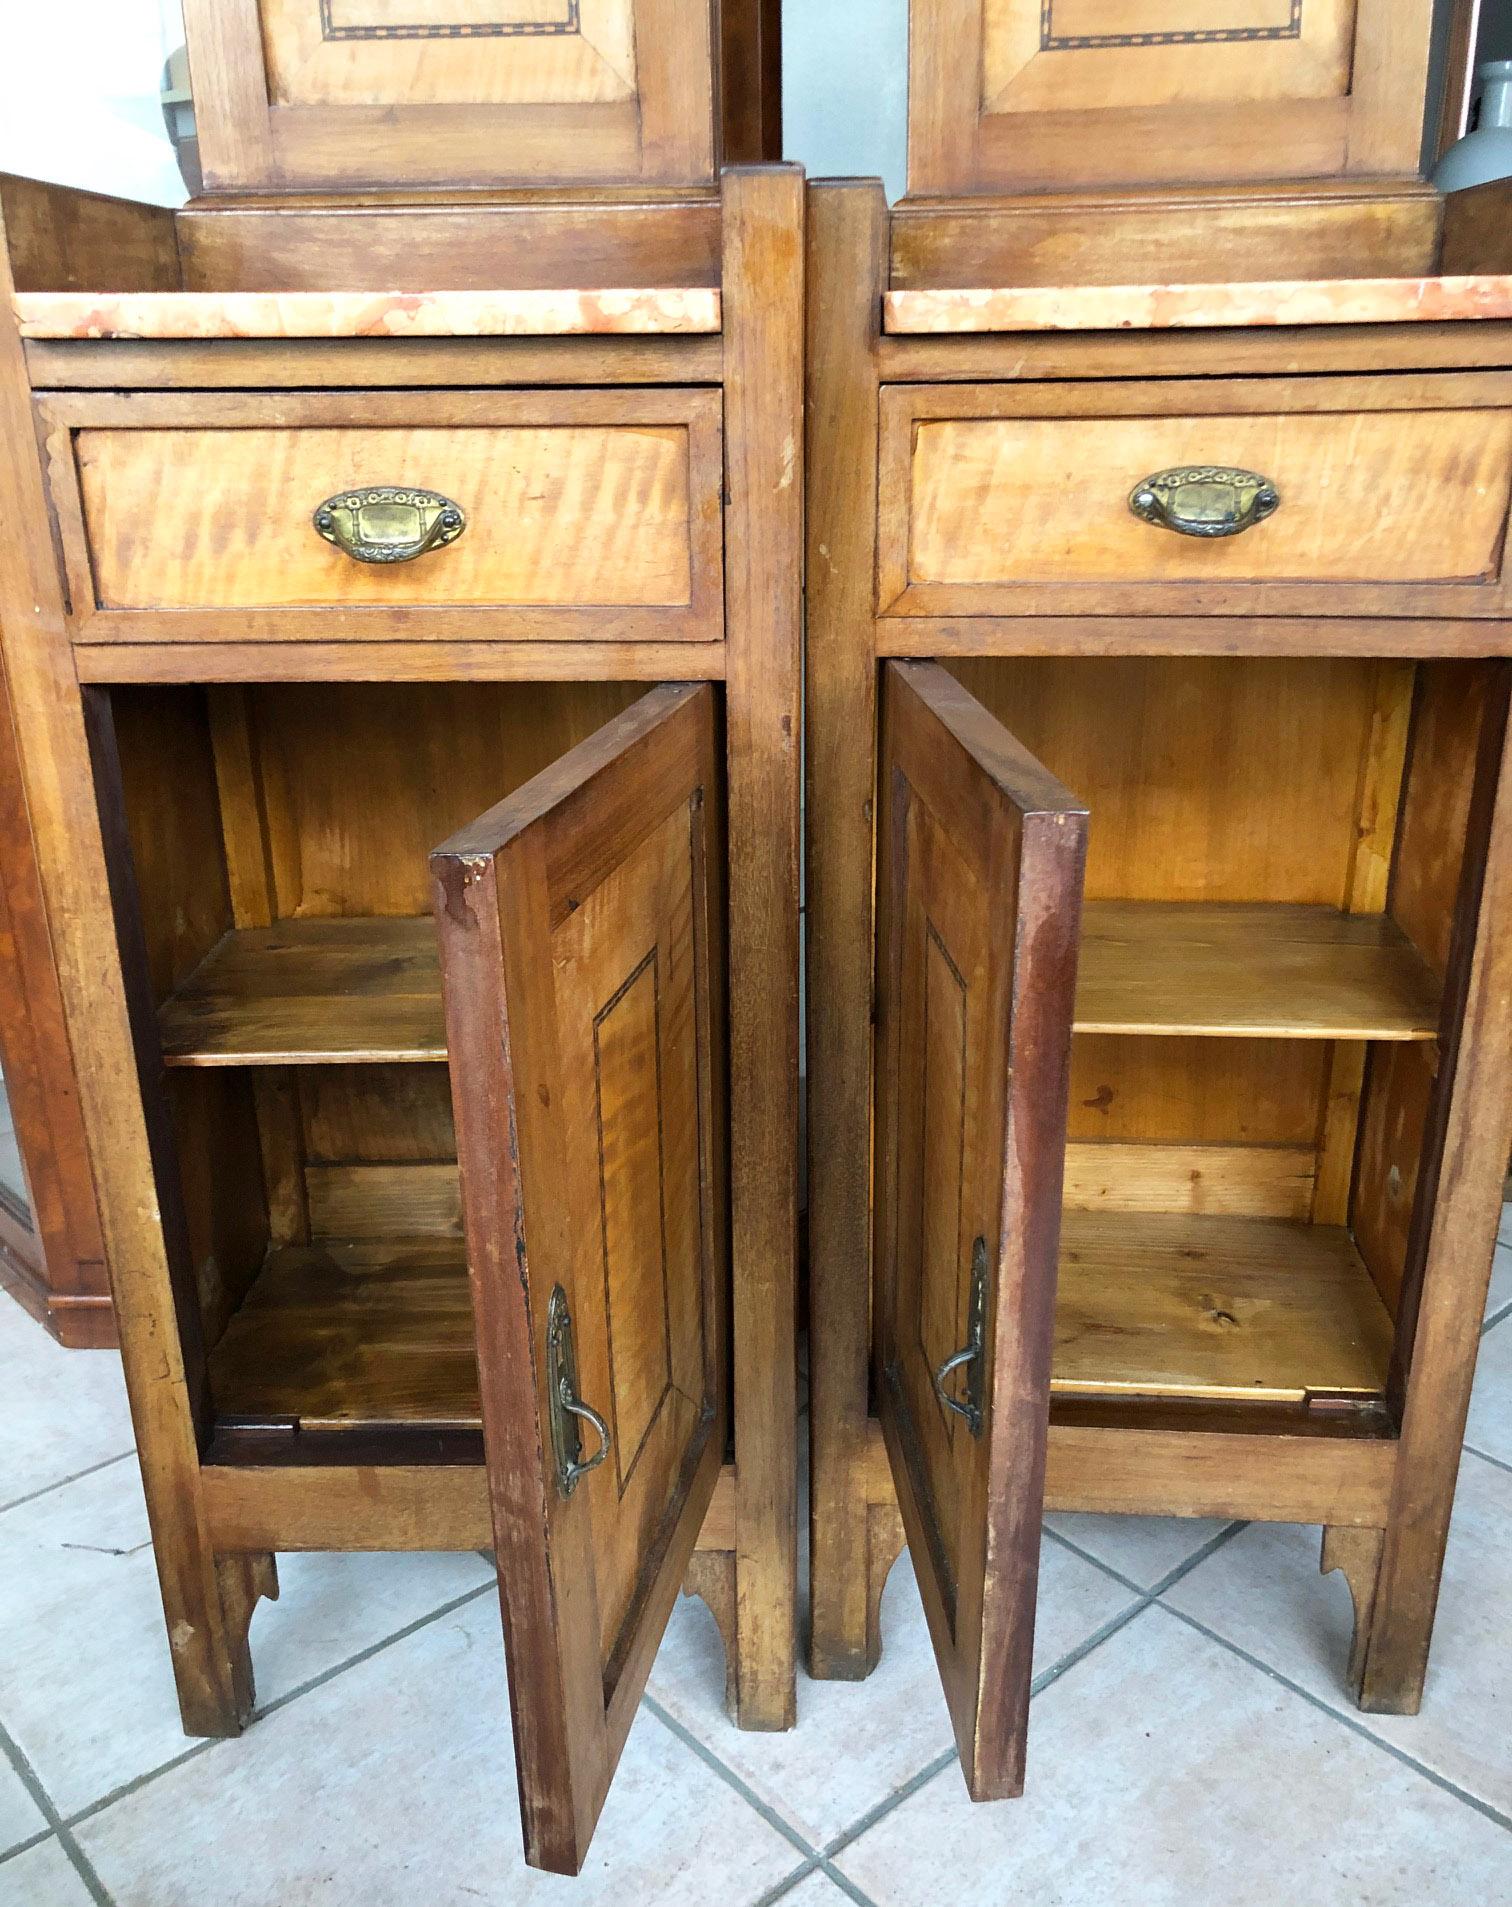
point(1046, 1679)
point(786, 1885)
point(26, 1846)
point(29, 1779)
point(1357, 1727)
point(1486, 1457)
point(1497, 1318)
point(728, 1775)
point(198, 1748)
point(62, 1483)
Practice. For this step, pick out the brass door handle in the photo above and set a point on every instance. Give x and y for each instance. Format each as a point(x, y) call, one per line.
point(969, 1358)
point(1205, 500)
point(389, 523)
point(565, 1405)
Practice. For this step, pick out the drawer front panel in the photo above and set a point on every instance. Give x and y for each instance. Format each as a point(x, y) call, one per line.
point(991, 498)
point(575, 526)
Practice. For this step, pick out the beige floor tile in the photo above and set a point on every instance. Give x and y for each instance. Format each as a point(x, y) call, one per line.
point(1163, 1772)
point(1144, 1548)
point(43, 1877)
point(85, 1685)
point(1263, 1592)
point(1490, 1425)
point(856, 1743)
point(20, 1817)
point(393, 1785)
point(64, 1410)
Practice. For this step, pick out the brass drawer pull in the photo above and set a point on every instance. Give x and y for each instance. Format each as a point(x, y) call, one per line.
point(1205, 500)
point(969, 1358)
point(564, 1403)
point(389, 523)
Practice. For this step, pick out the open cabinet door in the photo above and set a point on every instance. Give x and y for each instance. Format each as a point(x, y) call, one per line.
point(979, 879)
point(582, 955)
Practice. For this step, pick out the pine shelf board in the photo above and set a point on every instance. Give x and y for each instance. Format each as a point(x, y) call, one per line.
point(311, 992)
point(1254, 971)
point(1236, 1309)
point(351, 1336)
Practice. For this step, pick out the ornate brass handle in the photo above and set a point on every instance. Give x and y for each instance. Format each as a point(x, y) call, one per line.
point(1205, 500)
point(969, 1358)
point(566, 1407)
point(388, 523)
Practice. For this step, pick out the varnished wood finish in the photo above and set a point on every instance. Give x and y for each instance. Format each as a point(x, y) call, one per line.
point(311, 991)
point(1259, 1310)
point(764, 290)
point(1173, 235)
point(348, 1335)
point(52, 1258)
point(1021, 95)
point(577, 942)
point(1157, 967)
point(847, 268)
point(193, 516)
point(1016, 501)
point(1339, 1171)
point(979, 879)
point(162, 1373)
point(288, 776)
point(614, 90)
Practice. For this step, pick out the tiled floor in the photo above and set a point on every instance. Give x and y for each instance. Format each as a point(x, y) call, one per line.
point(1190, 1739)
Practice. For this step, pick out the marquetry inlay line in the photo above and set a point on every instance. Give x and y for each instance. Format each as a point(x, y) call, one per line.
point(933, 1355)
point(647, 971)
point(478, 30)
point(1053, 42)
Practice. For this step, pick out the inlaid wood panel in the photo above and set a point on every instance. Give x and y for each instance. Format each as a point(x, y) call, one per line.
point(435, 52)
point(1036, 94)
point(580, 956)
point(376, 92)
point(979, 879)
point(1014, 499)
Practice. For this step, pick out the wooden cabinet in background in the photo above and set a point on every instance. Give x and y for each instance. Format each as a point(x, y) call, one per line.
point(1177, 1167)
point(52, 1259)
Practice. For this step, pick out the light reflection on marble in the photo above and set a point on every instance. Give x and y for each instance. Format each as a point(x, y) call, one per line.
point(367, 314)
point(1157, 307)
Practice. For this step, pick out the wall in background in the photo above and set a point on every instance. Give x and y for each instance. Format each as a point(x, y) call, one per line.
point(845, 88)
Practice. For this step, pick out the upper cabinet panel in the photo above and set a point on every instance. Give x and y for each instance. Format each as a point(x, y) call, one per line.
point(1035, 94)
point(310, 93)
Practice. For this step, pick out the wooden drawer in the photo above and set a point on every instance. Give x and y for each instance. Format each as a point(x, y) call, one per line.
point(1009, 499)
point(588, 514)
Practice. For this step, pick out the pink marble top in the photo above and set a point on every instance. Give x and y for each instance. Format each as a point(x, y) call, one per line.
point(1154, 307)
point(365, 314)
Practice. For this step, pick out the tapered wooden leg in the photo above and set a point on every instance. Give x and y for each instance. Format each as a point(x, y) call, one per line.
point(711, 1576)
point(885, 1541)
point(847, 250)
point(244, 1580)
point(1356, 1554)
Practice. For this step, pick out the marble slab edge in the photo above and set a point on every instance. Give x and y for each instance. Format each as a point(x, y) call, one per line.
point(182, 315)
point(1159, 307)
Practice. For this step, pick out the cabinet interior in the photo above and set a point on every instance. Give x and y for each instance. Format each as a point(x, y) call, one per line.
point(279, 836)
point(1274, 864)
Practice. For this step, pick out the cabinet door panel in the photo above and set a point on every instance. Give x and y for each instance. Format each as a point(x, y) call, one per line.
point(582, 963)
point(979, 897)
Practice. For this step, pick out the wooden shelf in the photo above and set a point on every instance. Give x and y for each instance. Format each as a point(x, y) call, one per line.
point(352, 1336)
point(1271, 972)
point(311, 992)
point(1260, 1310)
